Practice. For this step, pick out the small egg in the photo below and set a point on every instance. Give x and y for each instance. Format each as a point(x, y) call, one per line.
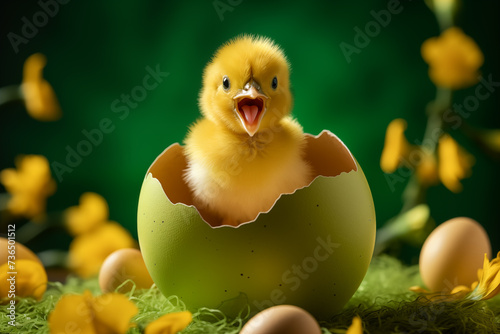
point(282, 319)
point(453, 253)
point(122, 265)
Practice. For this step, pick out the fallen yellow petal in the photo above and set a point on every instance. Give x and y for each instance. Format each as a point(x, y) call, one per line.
point(419, 290)
point(356, 326)
point(106, 314)
point(29, 278)
point(40, 99)
point(170, 323)
point(113, 312)
point(72, 314)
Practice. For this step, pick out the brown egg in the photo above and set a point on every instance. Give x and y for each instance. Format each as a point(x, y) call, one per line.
point(282, 319)
point(19, 251)
point(453, 253)
point(122, 265)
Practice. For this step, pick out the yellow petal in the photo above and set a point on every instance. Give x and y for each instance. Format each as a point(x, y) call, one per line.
point(356, 326)
point(88, 251)
point(29, 278)
point(72, 314)
point(454, 163)
point(396, 146)
point(460, 291)
point(92, 212)
point(40, 99)
point(419, 290)
point(112, 313)
point(489, 282)
point(170, 323)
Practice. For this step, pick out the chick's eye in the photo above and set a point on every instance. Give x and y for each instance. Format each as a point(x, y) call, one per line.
point(225, 83)
point(274, 83)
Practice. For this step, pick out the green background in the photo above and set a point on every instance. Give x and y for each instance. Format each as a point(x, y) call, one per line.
point(98, 50)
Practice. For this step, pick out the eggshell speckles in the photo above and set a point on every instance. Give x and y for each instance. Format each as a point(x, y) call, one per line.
point(282, 319)
point(312, 249)
point(453, 253)
point(122, 265)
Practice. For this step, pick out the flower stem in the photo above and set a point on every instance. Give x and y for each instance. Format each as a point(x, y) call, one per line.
point(10, 94)
point(31, 229)
point(415, 191)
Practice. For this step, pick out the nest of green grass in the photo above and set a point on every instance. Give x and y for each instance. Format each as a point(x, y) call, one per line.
point(383, 302)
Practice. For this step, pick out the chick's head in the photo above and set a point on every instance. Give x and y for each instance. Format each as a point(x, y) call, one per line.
point(246, 86)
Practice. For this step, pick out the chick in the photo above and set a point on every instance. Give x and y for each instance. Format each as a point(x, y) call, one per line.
point(246, 150)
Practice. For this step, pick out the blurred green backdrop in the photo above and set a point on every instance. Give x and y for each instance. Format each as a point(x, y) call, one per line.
point(99, 50)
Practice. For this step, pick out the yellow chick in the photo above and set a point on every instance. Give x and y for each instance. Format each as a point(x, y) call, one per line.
point(247, 150)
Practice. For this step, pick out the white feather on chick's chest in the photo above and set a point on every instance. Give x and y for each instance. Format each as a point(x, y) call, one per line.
point(250, 181)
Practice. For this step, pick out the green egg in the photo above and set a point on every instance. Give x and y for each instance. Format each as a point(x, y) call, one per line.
point(312, 249)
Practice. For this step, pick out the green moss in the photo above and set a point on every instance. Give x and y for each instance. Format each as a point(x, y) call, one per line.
point(383, 302)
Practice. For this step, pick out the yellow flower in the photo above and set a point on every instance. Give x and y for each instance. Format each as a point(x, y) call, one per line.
point(488, 285)
point(106, 314)
point(40, 99)
point(170, 323)
point(398, 151)
point(88, 251)
point(29, 185)
point(396, 146)
point(28, 276)
point(92, 212)
point(454, 163)
point(356, 326)
point(454, 59)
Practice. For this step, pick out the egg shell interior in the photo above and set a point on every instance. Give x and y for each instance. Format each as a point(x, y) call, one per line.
point(312, 249)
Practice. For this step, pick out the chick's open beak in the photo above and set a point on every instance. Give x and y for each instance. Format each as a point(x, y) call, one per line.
point(250, 106)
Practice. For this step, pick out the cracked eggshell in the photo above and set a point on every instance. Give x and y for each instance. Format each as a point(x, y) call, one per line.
point(312, 249)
